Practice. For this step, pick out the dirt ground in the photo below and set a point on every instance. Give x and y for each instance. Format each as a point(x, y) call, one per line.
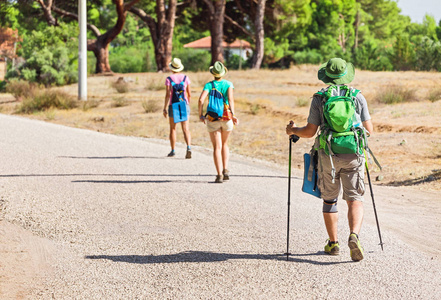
point(407, 138)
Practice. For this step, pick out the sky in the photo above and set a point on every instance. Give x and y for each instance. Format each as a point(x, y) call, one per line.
point(417, 9)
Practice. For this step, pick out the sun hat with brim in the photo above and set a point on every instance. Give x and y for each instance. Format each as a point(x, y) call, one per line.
point(218, 69)
point(176, 65)
point(336, 71)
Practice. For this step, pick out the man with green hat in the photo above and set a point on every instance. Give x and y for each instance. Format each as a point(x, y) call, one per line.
point(336, 170)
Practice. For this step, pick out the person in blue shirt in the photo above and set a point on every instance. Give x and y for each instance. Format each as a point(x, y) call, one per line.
point(219, 128)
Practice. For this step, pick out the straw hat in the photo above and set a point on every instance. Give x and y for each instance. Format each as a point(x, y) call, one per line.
point(218, 69)
point(176, 65)
point(336, 71)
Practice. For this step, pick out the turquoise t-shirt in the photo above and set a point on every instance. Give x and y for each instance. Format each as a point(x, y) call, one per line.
point(222, 86)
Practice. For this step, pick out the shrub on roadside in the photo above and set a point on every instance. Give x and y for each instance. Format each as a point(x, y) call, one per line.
point(20, 89)
point(44, 99)
point(396, 94)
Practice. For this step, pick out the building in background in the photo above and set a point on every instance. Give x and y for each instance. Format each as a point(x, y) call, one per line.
point(238, 47)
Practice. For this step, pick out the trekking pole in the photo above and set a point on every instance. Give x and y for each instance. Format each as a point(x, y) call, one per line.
point(292, 139)
point(373, 201)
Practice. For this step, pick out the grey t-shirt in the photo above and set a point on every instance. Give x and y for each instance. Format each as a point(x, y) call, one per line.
point(316, 110)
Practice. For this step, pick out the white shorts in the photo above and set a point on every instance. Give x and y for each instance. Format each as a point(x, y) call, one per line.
point(220, 125)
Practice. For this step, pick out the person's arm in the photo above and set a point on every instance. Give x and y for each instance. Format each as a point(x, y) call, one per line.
point(188, 93)
point(307, 131)
point(231, 103)
point(202, 97)
point(369, 126)
point(166, 100)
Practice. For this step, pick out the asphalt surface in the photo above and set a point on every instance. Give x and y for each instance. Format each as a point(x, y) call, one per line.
point(116, 219)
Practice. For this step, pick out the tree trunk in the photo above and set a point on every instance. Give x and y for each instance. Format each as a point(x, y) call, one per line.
point(47, 11)
point(356, 25)
point(101, 51)
point(259, 35)
point(217, 31)
point(161, 31)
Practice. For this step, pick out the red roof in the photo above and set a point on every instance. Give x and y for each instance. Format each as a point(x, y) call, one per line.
point(206, 43)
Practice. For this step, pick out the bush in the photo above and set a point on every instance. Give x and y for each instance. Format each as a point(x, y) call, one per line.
point(119, 102)
point(130, 59)
point(396, 94)
point(434, 95)
point(308, 57)
point(43, 99)
point(194, 60)
point(20, 89)
point(150, 106)
point(51, 56)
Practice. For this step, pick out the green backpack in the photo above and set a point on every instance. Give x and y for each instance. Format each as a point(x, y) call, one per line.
point(340, 134)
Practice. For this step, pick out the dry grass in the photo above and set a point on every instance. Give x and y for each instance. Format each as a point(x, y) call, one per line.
point(265, 102)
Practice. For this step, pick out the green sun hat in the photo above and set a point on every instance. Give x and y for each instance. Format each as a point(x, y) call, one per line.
point(218, 69)
point(336, 71)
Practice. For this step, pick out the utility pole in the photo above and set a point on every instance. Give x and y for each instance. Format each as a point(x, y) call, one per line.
point(82, 50)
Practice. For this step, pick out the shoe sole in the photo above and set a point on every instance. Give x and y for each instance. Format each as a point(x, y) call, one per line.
point(356, 253)
point(333, 253)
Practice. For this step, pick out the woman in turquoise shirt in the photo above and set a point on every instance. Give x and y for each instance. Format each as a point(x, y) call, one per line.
point(219, 127)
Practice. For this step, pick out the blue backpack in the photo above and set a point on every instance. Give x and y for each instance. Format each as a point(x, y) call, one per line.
point(216, 103)
point(178, 90)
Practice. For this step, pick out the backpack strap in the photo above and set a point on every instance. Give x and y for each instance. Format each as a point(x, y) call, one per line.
point(171, 81)
point(213, 87)
point(183, 81)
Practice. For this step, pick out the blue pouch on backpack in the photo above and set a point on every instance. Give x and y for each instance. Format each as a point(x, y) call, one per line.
point(179, 111)
point(310, 182)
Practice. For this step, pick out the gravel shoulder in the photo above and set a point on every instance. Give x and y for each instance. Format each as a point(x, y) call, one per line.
point(87, 215)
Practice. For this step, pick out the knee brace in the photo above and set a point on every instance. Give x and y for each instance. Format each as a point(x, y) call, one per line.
point(330, 206)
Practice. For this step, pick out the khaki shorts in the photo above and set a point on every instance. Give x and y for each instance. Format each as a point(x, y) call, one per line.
point(220, 125)
point(349, 174)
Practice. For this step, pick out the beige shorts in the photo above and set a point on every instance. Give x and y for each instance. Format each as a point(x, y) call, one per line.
point(220, 125)
point(349, 174)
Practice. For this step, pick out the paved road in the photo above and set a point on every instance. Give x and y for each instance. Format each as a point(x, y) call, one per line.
point(111, 217)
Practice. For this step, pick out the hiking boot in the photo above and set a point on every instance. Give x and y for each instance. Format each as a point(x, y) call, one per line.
point(188, 155)
point(171, 154)
point(219, 179)
point(332, 248)
point(356, 248)
point(226, 174)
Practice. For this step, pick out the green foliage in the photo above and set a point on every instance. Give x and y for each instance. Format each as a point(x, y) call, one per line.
point(193, 59)
point(403, 54)
point(308, 57)
point(131, 59)
point(51, 56)
point(428, 55)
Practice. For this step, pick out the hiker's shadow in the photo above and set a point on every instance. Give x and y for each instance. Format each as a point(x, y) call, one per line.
point(203, 256)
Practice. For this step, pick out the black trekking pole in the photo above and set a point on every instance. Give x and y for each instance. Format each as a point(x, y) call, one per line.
point(373, 203)
point(292, 139)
